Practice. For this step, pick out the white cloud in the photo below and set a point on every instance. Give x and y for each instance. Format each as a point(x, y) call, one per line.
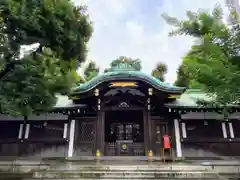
point(127, 27)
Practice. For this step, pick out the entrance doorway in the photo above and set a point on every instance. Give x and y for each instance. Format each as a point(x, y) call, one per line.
point(124, 133)
point(160, 129)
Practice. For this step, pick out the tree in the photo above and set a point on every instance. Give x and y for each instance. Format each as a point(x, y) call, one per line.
point(214, 60)
point(134, 63)
point(28, 84)
point(184, 79)
point(89, 71)
point(159, 71)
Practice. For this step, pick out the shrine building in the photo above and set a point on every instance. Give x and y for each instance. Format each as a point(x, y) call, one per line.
point(124, 113)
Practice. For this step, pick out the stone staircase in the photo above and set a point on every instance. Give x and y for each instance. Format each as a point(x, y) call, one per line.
point(109, 171)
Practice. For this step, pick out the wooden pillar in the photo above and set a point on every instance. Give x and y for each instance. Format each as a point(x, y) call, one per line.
point(65, 130)
point(184, 131)
point(71, 139)
point(27, 130)
point(27, 127)
point(146, 133)
point(20, 132)
point(231, 130)
point(147, 127)
point(100, 129)
point(150, 144)
point(177, 138)
point(224, 130)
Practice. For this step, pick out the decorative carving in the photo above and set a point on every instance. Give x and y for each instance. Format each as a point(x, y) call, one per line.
point(124, 90)
point(123, 104)
point(96, 92)
point(99, 104)
point(174, 96)
point(123, 66)
point(136, 92)
point(150, 91)
point(112, 92)
point(123, 84)
point(149, 105)
point(148, 100)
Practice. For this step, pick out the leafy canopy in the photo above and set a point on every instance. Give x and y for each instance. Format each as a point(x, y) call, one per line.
point(28, 84)
point(89, 71)
point(159, 71)
point(214, 60)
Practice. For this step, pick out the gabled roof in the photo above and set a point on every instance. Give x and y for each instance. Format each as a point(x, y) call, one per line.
point(65, 102)
point(124, 72)
point(190, 98)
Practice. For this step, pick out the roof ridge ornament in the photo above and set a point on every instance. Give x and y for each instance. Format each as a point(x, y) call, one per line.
point(122, 66)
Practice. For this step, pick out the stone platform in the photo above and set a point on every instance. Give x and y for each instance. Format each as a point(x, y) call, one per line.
point(124, 168)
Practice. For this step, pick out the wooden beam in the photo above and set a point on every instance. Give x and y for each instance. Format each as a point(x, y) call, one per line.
point(205, 140)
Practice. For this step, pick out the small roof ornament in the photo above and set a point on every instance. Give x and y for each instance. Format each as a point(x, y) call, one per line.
point(123, 66)
point(123, 59)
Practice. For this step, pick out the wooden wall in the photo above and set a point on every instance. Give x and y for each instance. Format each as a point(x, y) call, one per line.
point(206, 139)
point(45, 137)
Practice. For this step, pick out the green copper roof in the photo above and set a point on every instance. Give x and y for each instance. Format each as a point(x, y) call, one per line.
point(125, 72)
point(190, 98)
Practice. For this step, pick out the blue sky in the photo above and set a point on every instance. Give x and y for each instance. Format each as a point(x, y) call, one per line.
point(134, 28)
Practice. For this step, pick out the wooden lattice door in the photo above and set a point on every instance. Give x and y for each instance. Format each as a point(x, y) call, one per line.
point(86, 138)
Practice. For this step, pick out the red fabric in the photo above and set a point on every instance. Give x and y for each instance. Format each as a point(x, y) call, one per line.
point(166, 142)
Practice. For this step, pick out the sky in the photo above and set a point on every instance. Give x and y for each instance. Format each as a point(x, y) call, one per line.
point(135, 28)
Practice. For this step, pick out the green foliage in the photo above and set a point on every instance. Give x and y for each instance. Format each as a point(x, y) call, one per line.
point(135, 63)
point(182, 77)
point(28, 84)
point(89, 71)
point(159, 71)
point(31, 86)
point(214, 62)
point(56, 24)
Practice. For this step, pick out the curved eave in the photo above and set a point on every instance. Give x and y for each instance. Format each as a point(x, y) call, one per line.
point(63, 102)
point(133, 76)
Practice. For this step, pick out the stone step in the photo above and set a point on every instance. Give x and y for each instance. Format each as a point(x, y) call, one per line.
point(123, 178)
point(73, 166)
point(110, 175)
point(125, 174)
point(125, 168)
